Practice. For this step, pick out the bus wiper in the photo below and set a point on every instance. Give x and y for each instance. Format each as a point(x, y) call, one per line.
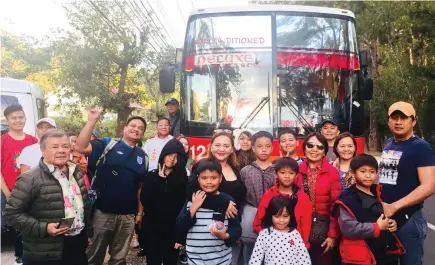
point(299, 116)
point(254, 112)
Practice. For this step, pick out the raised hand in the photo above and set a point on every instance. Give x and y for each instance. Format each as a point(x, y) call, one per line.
point(95, 114)
point(162, 171)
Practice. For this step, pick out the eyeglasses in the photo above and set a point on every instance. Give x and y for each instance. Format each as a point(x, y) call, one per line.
point(319, 146)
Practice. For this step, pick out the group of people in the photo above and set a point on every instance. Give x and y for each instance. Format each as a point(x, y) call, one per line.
point(236, 206)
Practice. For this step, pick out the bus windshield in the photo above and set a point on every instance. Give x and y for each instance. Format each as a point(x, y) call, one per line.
point(240, 72)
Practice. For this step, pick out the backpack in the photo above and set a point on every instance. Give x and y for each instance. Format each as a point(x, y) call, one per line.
point(92, 192)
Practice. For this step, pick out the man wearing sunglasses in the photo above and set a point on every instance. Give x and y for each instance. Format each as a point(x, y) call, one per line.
point(406, 172)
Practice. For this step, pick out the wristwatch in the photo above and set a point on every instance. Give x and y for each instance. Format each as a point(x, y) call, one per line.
point(140, 214)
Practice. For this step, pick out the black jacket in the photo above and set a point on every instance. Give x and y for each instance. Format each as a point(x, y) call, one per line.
point(163, 198)
point(36, 201)
point(236, 189)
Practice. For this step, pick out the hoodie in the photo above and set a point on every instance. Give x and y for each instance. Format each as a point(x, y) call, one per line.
point(303, 211)
point(163, 198)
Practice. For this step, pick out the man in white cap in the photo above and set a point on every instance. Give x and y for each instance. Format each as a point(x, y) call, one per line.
point(31, 154)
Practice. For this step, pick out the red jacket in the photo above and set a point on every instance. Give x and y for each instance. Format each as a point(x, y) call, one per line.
point(328, 189)
point(303, 212)
point(356, 250)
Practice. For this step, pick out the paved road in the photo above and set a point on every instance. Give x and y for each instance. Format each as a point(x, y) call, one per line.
point(429, 252)
point(429, 259)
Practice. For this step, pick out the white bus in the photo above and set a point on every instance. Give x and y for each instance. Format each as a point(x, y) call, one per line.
point(26, 93)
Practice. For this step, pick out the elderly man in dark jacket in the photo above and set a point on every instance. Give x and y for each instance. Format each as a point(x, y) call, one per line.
point(42, 197)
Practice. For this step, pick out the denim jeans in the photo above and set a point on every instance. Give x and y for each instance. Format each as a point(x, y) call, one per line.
point(412, 235)
point(3, 202)
point(248, 248)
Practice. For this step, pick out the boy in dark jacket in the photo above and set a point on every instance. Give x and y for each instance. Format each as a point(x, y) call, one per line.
point(367, 235)
point(163, 196)
point(209, 233)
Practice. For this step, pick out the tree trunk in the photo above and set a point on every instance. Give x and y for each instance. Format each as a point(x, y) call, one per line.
point(121, 120)
point(374, 144)
point(374, 134)
point(122, 79)
point(125, 111)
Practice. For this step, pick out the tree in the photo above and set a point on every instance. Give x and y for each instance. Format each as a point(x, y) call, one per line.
point(24, 57)
point(150, 77)
point(100, 59)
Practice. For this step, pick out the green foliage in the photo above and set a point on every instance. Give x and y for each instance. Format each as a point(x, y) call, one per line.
point(22, 57)
point(107, 128)
point(71, 124)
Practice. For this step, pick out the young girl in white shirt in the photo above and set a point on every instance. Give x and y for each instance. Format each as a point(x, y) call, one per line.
point(279, 242)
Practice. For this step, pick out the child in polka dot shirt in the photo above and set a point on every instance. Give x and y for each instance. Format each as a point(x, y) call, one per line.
point(279, 243)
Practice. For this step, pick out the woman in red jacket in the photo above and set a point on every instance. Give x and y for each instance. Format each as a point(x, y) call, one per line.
point(321, 182)
point(286, 170)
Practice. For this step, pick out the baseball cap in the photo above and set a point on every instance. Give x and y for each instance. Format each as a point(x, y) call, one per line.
point(47, 120)
point(172, 101)
point(403, 107)
point(95, 133)
point(333, 121)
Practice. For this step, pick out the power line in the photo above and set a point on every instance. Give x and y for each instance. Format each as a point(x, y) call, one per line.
point(152, 20)
point(143, 21)
point(181, 13)
point(164, 16)
point(105, 18)
point(111, 24)
point(134, 23)
point(163, 26)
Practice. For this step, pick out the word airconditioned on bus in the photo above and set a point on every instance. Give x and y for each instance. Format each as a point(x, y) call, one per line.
point(254, 40)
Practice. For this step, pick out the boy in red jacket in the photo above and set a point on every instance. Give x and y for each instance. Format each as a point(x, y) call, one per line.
point(367, 235)
point(286, 170)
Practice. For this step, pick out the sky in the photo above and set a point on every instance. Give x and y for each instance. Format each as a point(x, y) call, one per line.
point(39, 16)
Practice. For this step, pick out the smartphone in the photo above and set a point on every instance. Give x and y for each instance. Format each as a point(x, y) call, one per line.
point(65, 222)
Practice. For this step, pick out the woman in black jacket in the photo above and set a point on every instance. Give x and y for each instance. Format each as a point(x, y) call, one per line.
point(163, 196)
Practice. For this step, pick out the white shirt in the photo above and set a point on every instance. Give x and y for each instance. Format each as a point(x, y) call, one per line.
point(153, 147)
point(30, 155)
point(281, 248)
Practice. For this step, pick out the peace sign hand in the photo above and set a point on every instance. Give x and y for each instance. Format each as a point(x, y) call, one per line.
point(162, 171)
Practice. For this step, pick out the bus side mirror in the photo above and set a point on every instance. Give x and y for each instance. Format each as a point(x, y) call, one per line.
point(167, 78)
point(364, 58)
point(368, 89)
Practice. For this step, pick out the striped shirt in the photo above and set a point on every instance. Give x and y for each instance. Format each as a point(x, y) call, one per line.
point(201, 246)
